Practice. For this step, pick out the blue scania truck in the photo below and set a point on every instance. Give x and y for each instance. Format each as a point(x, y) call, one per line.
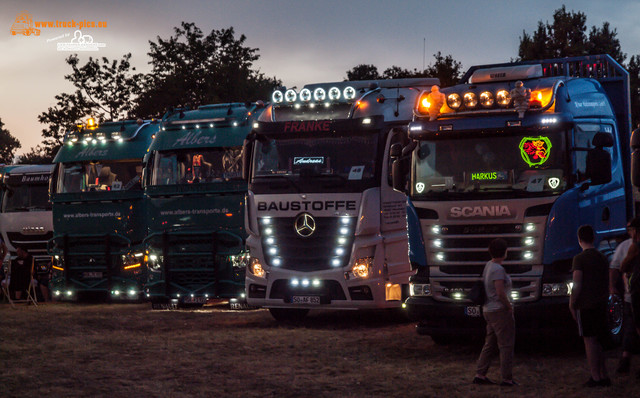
point(527, 152)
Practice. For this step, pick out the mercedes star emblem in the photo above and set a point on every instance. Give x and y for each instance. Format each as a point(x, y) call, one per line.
point(305, 225)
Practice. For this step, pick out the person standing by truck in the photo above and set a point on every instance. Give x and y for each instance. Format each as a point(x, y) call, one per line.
point(588, 303)
point(498, 313)
point(629, 336)
point(630, 268)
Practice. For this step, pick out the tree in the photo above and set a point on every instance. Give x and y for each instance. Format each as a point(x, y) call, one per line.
point(363, 72)
point(444, 68)
point(566, 37)
point(105, 90)
point(8, 145)
point(634, 77)
point(190, 68)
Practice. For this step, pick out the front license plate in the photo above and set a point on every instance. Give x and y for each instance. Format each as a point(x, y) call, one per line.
point(473, 311)
point(92, 275)
point(195, 300)
point(306, 300)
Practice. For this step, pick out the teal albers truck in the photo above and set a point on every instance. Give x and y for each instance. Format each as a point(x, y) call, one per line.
point(195, 193)
point(98, 210)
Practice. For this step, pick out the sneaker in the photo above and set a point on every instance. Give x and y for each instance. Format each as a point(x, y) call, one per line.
point(485, 381)
point(624, 365)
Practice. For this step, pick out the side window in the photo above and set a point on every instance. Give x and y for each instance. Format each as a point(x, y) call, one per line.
point(583, 141)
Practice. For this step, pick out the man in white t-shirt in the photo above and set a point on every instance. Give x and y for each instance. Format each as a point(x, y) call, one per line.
point(630, 336)
point(498, 313)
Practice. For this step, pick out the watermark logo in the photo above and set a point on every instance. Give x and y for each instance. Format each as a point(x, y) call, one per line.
point(23, 25)
point(80, 42)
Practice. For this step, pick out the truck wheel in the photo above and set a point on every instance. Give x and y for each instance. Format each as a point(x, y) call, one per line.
point(616, 315)
point(288, 314)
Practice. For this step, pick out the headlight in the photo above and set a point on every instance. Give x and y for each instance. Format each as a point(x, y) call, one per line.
point(290, 95)
point(277, 97)
point(470, 100)
point(256, 268)
point(334, 93)
point(319, 94)
point(349, 93)
point(420, 289)
point(556, 289)
point(454, 101)
point(240, 260)
point(362, 267)
point(305, 95)
point(486, 99)
point(503, 98)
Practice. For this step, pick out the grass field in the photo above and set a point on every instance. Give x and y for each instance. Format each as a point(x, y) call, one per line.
point(79, 350)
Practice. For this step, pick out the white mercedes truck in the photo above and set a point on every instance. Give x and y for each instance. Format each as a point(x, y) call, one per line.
point(326, 229)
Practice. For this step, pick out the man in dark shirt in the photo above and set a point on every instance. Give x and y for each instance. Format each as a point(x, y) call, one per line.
point(588, 303)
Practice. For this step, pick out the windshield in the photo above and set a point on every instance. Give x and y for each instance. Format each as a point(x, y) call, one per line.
point(107, 175)
point(197, 165)
point(26, 197)
point(344, 163)
point(526, 164)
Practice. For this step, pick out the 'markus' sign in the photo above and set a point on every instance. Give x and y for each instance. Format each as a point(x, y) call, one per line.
point(535, 150)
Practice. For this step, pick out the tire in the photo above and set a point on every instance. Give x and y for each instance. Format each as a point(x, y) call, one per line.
point(615, 315)
point(288, 314)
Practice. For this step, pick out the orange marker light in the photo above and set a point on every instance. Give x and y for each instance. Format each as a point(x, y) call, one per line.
point(424, 104)
point(229, 214)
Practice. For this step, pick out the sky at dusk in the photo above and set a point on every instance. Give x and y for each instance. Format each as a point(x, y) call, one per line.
point(299, 41)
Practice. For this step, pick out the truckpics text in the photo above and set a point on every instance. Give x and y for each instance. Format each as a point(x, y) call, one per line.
point(195, 192)
point(526, 152)
point(25, 217)
point(326, 228)
point(98, 210)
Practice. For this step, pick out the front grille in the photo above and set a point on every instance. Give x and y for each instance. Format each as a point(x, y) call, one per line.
point(328, 247)
point(34, 244)
point(463, 249)
point(195, 262)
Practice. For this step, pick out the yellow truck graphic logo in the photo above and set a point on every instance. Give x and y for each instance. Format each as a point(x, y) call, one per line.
point(24, 25)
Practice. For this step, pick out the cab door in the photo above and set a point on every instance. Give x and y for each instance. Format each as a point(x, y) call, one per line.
point(393, 225)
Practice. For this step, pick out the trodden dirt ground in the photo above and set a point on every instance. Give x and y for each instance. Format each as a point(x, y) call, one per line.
point(96, 350)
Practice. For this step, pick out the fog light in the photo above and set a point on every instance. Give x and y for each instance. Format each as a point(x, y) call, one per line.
point(305, 282)
point(295, 282)
point(132, 292)
point(529, 227)
point(316, 282)
point(69, 292)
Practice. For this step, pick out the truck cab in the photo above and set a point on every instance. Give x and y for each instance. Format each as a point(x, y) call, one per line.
point(527, 168)
point(25, 212)
point(98, 211)
point(326, 228)
point(195, 194)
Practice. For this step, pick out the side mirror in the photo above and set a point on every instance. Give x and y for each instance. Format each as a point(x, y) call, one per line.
point(635, 158)
point(396, 150)
point(599, 160)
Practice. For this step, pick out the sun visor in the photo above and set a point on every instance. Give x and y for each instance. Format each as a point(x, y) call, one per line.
point(507, 73)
